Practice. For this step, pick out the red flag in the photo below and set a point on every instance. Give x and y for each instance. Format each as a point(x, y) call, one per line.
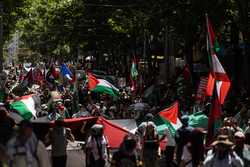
point(213, 120)
point(92, 81)
point(210, 85)
point(54, 73)
point(186, 73)
point(38, 77)
point(114, 133)
point(171, 113)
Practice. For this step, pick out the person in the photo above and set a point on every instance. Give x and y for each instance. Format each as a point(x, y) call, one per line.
point(81, 113)
point(3, 156)
point(242, 149)
point(126, 156)
point(102, 108)
point(62, 110)
point(6, 126)
point(150, 141)
point(222, 154)
point(197, 146)
point(247, 133)
point(25, 150)
point(242, 116)
point(96, 147)
point(57, 137)
point(170, 147)
point(3, 88)
point(186, 158)
point(182, 137)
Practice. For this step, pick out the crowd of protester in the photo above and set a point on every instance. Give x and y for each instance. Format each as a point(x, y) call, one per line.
point(20, 147)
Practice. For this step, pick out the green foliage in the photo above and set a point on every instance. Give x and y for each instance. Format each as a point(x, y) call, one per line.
point(11, 13)
point(51, 26)
point(58, 26)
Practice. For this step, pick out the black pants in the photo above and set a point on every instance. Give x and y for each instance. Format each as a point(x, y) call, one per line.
point(169, 155)
point(59, 161)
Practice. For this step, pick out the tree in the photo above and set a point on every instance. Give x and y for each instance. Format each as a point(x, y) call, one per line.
point(51, 26)
point(9, 15)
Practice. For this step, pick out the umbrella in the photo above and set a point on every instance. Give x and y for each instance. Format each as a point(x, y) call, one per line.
point(139, 107)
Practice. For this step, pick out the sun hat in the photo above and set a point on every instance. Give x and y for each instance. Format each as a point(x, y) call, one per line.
point(222, 139)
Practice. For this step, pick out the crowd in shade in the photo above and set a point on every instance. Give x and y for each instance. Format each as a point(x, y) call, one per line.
point(40, 106)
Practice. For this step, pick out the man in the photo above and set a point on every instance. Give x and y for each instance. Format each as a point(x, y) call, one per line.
point(170, 147)
point(57, 137)
point(96, 147)
point(222, 155)
point(6, 126)
point(25, 150)
point(3, 156)
point(247, 132)
point(126, 156)
point(242, 149)
point(150, 141)
point(3, 89)
point(243, 115)
point(182, 137)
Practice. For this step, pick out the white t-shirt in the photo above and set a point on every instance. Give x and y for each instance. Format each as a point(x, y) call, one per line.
point(170, 138)
point(187, 157)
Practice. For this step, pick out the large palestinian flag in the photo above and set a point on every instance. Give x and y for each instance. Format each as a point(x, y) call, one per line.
point(25, 106)
point(114, 133)
point(217, 76)
point(102, 86)
point(168, 118)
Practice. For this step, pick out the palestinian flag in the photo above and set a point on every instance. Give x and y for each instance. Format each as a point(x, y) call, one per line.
point(102, 86)
point(92, 81)
point(212, 41)
point(52, 75)
point(217, 76)
point(133, 70)
point(113, 132)
point(198, 120)
point(168, 118)
point(25, 106)
point(28, 79)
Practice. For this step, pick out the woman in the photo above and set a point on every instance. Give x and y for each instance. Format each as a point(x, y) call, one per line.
point(96, 147)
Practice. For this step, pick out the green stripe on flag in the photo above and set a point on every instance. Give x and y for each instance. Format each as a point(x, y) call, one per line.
point(162, 124)
point(169, 126)
point(106, 90)
point(22, 109)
